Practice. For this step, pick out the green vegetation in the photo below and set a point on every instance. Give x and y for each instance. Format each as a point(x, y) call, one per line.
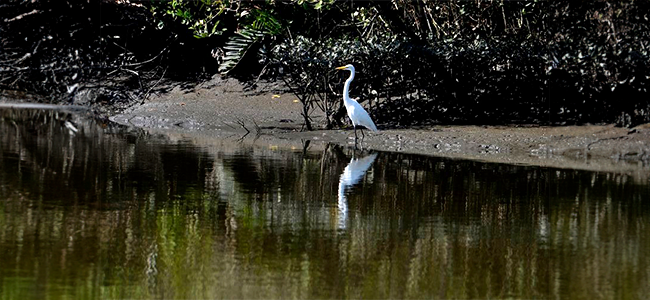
point(201, 17)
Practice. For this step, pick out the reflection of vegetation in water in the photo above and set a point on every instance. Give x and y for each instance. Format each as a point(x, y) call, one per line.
point(490, 230)
point(105, 215)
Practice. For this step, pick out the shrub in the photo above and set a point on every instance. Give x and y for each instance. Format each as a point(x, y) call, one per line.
point(482, 62)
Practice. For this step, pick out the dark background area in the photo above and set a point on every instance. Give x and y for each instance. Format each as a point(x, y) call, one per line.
point(469, 62)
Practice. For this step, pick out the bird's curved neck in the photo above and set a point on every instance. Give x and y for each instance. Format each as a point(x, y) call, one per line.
point(346, 88)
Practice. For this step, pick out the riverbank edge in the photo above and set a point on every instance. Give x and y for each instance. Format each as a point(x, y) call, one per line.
point(269, 116)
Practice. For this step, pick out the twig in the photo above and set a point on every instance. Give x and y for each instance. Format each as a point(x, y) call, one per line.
point(131, 71)
point(26, 56)
point(123, 48)
point(242, 124)
point(146, 95)
point(224, 123)
point(22, 16)
point(148, 60)
point(260, 75)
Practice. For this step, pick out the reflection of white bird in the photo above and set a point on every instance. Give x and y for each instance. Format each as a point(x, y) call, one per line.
point(71, 127)
point(357, 114)
point(351, 176)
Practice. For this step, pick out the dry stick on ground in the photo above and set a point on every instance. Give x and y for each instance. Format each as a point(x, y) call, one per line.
point(243, 125)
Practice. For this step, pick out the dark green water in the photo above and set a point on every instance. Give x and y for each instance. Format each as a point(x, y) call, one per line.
point(109, 213)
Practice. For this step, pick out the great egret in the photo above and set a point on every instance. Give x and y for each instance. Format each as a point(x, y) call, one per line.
point(357, 114)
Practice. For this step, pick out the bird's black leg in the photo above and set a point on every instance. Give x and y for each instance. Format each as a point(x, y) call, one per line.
point(363, 135)
point(355, 133)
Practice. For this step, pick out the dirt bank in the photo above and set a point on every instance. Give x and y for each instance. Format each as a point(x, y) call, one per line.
point(220, 108)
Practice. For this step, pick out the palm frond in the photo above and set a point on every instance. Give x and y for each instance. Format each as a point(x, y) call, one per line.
point(237, 46)
point(262, 24)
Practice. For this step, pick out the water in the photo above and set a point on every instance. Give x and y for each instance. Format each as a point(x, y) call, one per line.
point(92, 210)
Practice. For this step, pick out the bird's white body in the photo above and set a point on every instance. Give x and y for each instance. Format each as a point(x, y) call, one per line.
point(357, 114)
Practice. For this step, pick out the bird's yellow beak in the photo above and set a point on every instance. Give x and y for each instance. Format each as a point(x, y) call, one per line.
point(341, 68)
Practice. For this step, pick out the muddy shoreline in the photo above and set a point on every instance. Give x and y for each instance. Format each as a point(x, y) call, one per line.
point(221, 110)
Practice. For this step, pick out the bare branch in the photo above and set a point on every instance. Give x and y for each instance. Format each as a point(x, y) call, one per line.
point(22, 16)
point(242, 124)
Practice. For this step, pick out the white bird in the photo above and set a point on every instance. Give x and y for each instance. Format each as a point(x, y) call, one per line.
point(357, 114)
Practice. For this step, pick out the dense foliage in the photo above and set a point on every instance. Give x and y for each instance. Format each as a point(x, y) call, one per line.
point(483, 62)
point(490, 62)
point(89, 53)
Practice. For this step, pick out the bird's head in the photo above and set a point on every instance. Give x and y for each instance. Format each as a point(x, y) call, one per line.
point(346, 67)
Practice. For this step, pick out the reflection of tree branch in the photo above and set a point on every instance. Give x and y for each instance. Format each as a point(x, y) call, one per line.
point(258, 130)
point(305, 146)
point(241, 139)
